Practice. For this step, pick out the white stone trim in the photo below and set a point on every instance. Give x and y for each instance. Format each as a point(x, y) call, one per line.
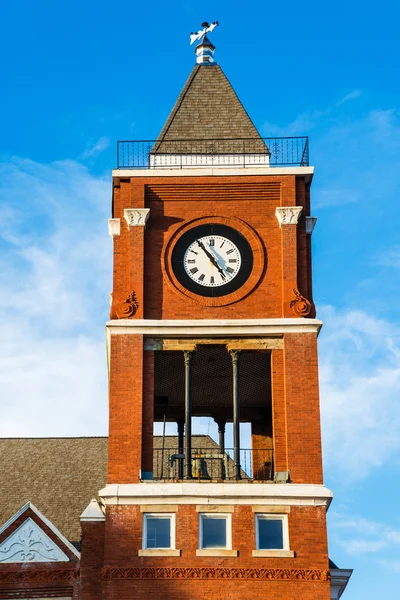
point(290, 494)
point(310, 224)
point(272, 554)
point(136, 217)
point(114, 227)
point(93, 512)
point(158, 552)
point(45, 521)
point(288, 215)
point(339, 580)
point(306, 172)
point(223, 552)
point(210, 327)
point(187, 161)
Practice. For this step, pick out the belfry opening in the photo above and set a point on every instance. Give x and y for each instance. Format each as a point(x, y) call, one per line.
point(212, 369)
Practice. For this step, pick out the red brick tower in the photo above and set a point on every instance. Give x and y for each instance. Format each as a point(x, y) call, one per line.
point(211, 316)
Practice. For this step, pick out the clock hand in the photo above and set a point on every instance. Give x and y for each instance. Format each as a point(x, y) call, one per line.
point(211, 257)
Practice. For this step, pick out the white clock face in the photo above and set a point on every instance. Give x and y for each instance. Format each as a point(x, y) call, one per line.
point(212, 260)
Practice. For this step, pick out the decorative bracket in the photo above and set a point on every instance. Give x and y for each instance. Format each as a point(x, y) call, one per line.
point(288, 215)
point(125, 309)
point(114, 227)
point(310, 224)
point(300, 305)
point(136, 216)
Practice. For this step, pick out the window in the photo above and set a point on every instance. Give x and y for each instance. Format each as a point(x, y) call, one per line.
point(158, 531)
point(272, 532)
point(215, 531)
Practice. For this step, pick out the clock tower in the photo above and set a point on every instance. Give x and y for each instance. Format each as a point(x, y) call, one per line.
point(211, 316)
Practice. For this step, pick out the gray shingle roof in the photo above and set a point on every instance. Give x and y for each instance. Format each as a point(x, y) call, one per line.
point(59, 476)
point(207, 108)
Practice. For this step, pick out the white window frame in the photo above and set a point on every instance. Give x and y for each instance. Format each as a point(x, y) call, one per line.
point(218, 515)
point(171, 517)
point(285, 530)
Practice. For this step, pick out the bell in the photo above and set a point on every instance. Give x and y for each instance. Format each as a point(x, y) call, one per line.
point(199, 467)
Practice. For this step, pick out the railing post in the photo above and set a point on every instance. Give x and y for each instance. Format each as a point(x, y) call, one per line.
point(188, 413)
point(236, 411)
point(181, 428)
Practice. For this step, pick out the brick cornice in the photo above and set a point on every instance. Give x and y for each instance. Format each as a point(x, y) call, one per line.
point(301, 575)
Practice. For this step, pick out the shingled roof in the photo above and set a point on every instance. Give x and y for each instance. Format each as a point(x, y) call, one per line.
point(59, 476)
point(207, 109)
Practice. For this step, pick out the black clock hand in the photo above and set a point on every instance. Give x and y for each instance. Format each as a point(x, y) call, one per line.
point(211, 257)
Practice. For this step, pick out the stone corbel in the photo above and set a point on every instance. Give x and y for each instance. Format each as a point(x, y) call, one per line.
point(136, 217)
point(114, 227)
point(288, 215)
point(310, 224)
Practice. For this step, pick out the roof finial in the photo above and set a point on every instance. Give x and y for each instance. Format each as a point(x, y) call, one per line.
point(205, 49)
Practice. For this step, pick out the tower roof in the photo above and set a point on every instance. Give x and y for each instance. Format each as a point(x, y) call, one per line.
point(207, 109)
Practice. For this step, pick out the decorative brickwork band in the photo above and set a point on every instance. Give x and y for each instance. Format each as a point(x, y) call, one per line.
point(215, 573)
point(136, 216)
point(300, 305)
point(125, 309)
point(38, 576)
point(288, 215)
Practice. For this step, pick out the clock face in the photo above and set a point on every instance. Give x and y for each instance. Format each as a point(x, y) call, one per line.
point(212, 260)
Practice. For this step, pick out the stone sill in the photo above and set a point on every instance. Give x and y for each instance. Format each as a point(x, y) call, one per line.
point(159, 552)
point(216, 552)
point(273, 554)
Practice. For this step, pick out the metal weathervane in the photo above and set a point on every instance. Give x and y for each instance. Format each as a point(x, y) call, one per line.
point(206, 28)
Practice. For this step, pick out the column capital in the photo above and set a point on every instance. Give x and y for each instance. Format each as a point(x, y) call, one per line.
point(136, 216)
point(288, 215)
point(188, 355)
point(234, 355)
point(114, 227)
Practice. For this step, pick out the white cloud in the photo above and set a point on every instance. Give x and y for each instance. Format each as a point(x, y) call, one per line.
point(357, 535)
point(360, 386)
point(351, 96)
point(96, 148)
point(55, 277)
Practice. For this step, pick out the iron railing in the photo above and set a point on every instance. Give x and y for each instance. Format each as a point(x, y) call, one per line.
point(214, 464)
point(273, 152)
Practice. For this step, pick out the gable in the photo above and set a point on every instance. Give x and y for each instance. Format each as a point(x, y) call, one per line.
point(30, 544)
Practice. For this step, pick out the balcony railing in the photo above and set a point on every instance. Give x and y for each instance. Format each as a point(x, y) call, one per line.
point(249, 152)
point(214, 464)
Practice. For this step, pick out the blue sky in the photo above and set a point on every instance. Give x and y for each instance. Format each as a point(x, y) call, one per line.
point(76, 77)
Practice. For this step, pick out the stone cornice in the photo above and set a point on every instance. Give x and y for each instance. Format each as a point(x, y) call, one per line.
point(217, 493)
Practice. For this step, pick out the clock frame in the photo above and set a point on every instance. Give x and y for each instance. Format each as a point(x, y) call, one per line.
point(237, 241)
point(242, 228)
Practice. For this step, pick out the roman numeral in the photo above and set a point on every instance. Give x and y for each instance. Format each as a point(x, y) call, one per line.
point(194, 270)
point(222, 244)
point(212, 242)
point(231, 260)
point(201, 278)
point(193, 252)
point(230, 270)
point(192, 261)
point(212, 280)
point(230, 251)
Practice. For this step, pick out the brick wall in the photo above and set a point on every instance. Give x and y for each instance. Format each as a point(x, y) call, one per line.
point(307, 539)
